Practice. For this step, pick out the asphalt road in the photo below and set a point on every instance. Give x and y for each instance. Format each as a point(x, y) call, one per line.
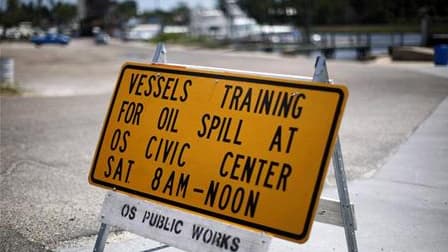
point(48, 136)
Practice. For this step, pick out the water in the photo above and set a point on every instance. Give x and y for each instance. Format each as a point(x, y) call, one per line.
point(380, 43)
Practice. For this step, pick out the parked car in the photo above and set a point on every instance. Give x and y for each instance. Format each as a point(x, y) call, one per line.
point(102, 38)
point(50, 38)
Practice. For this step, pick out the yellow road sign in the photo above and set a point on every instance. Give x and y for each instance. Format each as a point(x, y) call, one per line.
point(231, 145)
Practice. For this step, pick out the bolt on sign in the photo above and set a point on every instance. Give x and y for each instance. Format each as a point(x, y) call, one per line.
point(246, 148)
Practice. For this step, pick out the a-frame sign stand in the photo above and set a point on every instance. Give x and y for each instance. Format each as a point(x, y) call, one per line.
point(347, 215)
point(159, 57)
point(340, 213)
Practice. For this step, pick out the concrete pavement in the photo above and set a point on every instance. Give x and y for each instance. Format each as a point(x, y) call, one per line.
point(404, 207)
point(47, 143)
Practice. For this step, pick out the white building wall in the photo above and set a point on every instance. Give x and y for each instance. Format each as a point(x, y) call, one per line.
point(210, 23)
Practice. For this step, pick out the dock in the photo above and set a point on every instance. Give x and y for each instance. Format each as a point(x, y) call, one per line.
point(328, 43)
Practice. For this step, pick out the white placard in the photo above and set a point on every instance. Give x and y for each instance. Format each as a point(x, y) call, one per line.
point(178, 229)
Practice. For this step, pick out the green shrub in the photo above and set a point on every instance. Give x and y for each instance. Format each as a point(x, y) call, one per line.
point(188, 40)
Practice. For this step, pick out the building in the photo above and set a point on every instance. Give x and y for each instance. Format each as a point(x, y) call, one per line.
point(240, 25)
point(209, 23)
point(214, 23)
point(143, 32)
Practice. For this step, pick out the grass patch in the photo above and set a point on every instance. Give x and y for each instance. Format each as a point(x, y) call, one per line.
point(184, 39)
point(10, 89)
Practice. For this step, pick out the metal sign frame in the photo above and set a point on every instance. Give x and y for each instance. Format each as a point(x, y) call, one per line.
point(347, 211)
point(333, 212)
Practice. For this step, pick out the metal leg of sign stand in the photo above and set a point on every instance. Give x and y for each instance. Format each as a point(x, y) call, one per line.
point(159, 57)
point(159, 54)
point(102, 237)
point(321, 75)
point(103, 233)
point(157, 248)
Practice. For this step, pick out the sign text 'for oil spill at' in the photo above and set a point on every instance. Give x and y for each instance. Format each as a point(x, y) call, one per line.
point(235, 146)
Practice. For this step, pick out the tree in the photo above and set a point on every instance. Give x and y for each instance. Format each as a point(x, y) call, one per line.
point(64, 13)
point(177, 16)
point(329, 12)
point(12, 15)
point(56, 13)
point(181, 15)
point(126, 9)
point(120, 12)
point(263, 11)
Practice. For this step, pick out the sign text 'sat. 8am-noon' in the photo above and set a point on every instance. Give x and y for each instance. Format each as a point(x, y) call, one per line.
point(238, 147)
